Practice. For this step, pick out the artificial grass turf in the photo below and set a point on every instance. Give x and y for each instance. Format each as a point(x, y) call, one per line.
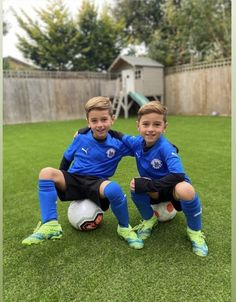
point(97, 265)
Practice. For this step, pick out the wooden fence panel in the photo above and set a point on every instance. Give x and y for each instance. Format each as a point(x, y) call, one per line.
point(199, 91)
point(48, 96)
point(45, 99)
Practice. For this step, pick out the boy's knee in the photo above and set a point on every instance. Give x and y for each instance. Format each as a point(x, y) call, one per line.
point(184, 191)
point(102, 188)
point(46, 173)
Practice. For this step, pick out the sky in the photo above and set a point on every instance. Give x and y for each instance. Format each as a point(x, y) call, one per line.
point(10, 40)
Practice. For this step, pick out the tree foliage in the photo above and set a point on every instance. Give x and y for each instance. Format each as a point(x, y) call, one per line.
point(5, 29)
point(99, 38)
point(178, 31)
point(193, 31)
point(173, 31)
point(140, 18)
point(50, 45)
point(59, 42)
point(5, 25)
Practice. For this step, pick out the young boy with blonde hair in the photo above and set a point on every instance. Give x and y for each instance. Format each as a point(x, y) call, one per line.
point(162, 177)
point(85, 169)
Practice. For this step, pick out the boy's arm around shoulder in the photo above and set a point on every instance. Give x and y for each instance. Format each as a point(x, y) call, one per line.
point(127, 140)
point(132, 141)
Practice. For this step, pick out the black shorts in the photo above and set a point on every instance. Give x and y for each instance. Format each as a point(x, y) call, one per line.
point(82, 187)
point(167, 195)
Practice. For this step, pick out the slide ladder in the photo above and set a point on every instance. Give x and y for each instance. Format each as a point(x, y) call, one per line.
point(121, 101)
point(118, 98)
point(117, 104)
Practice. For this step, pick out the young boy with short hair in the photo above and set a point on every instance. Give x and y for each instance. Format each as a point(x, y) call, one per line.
point(86, 167)
point(162, 177)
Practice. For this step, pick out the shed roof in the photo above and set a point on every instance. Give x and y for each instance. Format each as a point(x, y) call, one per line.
point(133, 61)
point(17, 61)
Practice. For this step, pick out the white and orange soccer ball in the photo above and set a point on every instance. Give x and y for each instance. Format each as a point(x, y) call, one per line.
point(84, 215)
point(164, 211)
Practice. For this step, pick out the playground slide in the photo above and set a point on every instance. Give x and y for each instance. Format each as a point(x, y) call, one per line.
point(139, 98)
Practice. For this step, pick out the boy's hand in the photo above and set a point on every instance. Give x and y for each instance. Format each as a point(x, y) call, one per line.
point(132, 185)
point(82, 131)
point(76, 133)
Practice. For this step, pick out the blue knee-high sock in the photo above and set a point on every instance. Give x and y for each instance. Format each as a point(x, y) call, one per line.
point(192, 210)
point(118, 203)
point(47, 200)
point(142, 202)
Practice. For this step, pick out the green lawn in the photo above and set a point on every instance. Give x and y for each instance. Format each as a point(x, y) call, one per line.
point(97, 265)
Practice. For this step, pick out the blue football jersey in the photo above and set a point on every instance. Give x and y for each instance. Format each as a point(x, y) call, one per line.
point(158, 161)
point(96, 158)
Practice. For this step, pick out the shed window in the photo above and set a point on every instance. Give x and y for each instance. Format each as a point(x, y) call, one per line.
point(138, 74)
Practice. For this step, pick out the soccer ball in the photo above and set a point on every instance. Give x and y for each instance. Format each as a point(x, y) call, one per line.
point(84, 215)
point(164, 211)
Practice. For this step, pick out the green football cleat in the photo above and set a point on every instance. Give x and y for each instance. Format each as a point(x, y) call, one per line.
point(144, 229)
point(50, 230)
point(199, 245)
point(130, 236)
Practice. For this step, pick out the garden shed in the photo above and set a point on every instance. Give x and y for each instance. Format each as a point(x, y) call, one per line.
point(138, 80)
point(140, 75)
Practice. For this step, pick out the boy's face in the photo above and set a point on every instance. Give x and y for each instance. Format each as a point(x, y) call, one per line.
point(100, 123)
point(150, 127)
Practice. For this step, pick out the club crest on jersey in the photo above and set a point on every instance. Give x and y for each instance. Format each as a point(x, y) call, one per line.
point(156, 163)
point(110, 152)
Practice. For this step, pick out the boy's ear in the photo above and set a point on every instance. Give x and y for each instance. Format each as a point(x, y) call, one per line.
point(137, 124)
point(87, 122)
point(113, 118)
